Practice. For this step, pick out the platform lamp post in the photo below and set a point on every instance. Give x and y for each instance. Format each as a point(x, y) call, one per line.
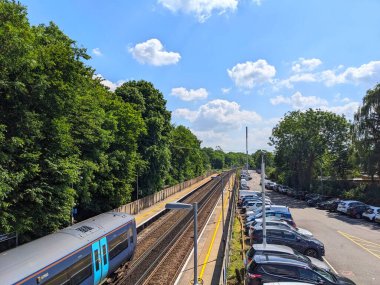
point(194, 206)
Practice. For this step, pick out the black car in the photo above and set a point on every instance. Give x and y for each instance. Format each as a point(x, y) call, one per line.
point(314, 201)
point(325, 205)
point(356, 211)
point(284, 268)
point(307, 245)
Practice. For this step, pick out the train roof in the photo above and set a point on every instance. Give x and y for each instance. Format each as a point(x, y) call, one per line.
point(22, 261)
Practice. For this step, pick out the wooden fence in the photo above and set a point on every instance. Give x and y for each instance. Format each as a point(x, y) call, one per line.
point(134, 207)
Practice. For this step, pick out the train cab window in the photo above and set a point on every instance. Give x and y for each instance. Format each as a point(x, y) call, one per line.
point(118, 244)
point(97, 263)
point(104, 249)
point(131, 235)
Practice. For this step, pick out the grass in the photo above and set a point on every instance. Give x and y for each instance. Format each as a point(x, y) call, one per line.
point(236, 255)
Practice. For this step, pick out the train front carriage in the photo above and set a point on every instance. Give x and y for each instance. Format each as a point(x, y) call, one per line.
point(84, 253)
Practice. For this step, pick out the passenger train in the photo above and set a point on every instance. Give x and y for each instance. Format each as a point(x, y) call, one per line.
point(85, 253)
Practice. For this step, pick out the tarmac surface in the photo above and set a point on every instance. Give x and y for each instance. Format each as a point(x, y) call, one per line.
point(352, 245)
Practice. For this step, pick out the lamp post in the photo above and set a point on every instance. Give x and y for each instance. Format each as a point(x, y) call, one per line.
point(194, 206)
point(263, 198)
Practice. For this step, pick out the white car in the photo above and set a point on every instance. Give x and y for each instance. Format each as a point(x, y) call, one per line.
point(343, 206)
point(371, 213)
point(282, 224)
point(257, 205)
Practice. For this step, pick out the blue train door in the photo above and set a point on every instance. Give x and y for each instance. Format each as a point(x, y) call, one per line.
point(100, 260)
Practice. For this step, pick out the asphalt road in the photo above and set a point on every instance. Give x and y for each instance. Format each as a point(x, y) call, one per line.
point(352, 245)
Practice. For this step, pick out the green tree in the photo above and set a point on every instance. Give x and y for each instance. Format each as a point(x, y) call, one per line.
point(153, 146)
point(307, 141)
point(366, 130)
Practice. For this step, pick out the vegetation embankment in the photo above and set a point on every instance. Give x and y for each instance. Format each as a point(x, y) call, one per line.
point(68, 141)
point(234, 272)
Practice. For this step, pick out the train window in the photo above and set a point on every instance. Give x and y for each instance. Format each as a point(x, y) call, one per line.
point(118, 244)
point(75, 274)
point(81, 270)
point(104, 254)
point(97, 265)
point(130, 235)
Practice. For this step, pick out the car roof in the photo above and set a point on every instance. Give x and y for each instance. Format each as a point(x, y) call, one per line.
point(268, 258)
point(273, 247)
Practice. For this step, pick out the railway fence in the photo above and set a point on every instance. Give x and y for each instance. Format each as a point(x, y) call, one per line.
point(228, 232)
point(134, 207)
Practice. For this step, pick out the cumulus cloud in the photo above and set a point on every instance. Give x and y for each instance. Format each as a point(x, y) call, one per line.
point(183, 113)
point(152, 52)
point(97, 52)
point(189, 95)
point(347, 109)
point(111, 85)
point(365, 73)
point(305, 65)
point(202, 9)
point(218, 115)
point(298, 101)
point(249, 74)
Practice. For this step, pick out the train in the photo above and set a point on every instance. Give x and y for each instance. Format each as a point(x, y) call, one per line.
point(84, 253)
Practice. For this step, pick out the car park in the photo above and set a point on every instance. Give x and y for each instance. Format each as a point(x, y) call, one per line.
point(280, 224)
point(371, 213)
point(277, 268)
point(356, 211)
point(284, 250)
point(307, 245)
point(343, 205)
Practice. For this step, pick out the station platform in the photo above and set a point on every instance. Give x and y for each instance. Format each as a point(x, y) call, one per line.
point(209, 243)
point(157, 208)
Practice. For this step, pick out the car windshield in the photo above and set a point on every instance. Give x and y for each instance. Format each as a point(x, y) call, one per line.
point(329, 276)
point(301, 256)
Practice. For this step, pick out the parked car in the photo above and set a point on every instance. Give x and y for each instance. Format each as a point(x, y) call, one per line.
point(252, 221)
point(307, 245)
point(277, 208)
point(332, 207)
point(281, 215)
point(309, 196)
point(280, 224)
point(377, 218)
point(356, 211)
point(343, 205)
point(324, 204)
point(282, 249)
point(314, 201)
point(300, 195)
point(371, 212)
point(256, 206)
point(277, 268)
point(291, 192)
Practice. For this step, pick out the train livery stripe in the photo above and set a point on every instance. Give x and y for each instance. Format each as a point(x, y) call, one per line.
point(71, 254)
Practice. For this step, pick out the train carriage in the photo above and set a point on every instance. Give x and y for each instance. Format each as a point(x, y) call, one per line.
point(85, 253)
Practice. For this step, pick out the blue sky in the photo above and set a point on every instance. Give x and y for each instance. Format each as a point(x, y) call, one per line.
point(226, 64)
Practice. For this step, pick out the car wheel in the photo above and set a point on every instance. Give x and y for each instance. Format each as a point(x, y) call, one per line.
point(311, 252)
point(358, 216)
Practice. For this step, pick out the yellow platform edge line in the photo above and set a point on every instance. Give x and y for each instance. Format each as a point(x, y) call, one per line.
point(212, 241)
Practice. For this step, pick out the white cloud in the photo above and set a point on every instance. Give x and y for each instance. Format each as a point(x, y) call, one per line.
point(183, 113)
point(202, 9)
point(152, 52)
point(298, 101)
point(218, 115)
point(225, 90)
point(305, 65)
point(348, 109)
point(189, 95)
point(257, 2)
point(249, 74)
point(97, 52)
point(111, 85)
point(365, 73)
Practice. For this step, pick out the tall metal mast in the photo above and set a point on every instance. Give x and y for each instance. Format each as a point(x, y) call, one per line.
point(246, 146)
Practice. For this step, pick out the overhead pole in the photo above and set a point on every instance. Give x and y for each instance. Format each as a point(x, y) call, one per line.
point(263, 199)
point(246, 146)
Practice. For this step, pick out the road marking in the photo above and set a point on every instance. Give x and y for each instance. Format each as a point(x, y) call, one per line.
point(362, 242)
point(328, 263)
point(213, 239)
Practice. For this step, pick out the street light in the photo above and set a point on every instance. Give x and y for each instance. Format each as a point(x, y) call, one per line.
point(194, 206)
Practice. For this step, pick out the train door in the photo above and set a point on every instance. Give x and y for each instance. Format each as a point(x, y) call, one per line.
point(100, 260)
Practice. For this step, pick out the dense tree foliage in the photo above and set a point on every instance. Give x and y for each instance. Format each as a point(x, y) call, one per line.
point(306, 142)
point(67, 141)
point(367, 132)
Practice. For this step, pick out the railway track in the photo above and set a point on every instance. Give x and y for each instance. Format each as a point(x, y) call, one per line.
point(163, 247)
